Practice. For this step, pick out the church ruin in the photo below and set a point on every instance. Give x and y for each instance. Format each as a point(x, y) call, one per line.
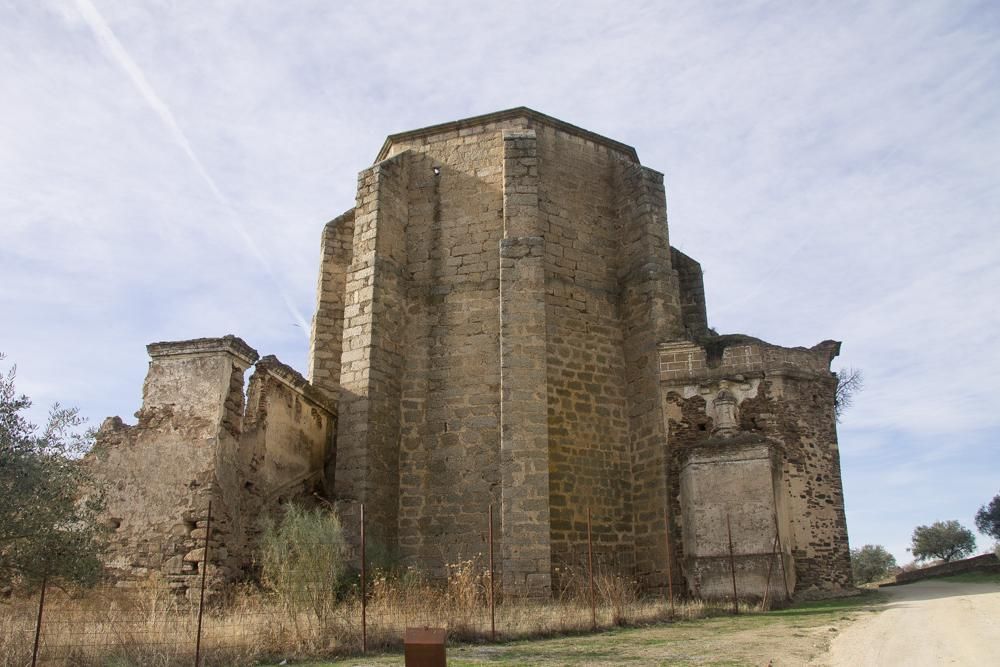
point(500, 319)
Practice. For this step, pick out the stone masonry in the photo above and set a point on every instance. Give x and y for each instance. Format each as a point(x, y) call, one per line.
point(501, 320)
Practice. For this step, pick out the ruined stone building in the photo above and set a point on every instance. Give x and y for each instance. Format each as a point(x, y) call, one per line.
point(500, 319)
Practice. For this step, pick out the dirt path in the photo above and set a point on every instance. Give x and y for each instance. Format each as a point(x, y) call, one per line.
point(925, 623)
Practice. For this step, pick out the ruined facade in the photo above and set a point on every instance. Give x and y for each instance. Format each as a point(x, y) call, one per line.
point(501, 320)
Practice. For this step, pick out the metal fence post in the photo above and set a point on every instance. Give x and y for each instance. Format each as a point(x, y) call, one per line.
point(204, 573)
point(770, 567)
point(493, 623)
point(364, 587)
point(732, 567)
point(781, 557)
point(38, 623)
point(590, 572)
point(670, 567)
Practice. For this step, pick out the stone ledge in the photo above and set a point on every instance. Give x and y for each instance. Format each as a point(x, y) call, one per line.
point(295, 381)
point(230, 344)
point(508, 114)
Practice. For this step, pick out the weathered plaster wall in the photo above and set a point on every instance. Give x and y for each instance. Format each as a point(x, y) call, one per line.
point(193, 445)
point(729, 488)
point(786, 396)
point(287, 435)
point(161, 473)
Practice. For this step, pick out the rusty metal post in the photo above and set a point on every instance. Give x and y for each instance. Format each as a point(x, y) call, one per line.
point(493, 609)
point(38, 623)
point(364, 587)
point(732, 567)
point(781, 556)
point(590, 571)
point(204, 573)
point(770, 567)
point(670, 566)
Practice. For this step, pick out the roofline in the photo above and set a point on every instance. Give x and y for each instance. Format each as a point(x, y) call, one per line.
point(506, 114)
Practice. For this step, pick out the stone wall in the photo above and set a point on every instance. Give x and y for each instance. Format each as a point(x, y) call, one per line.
point(784, 395)
point(193, 445)
point(692, 294)
point(503, 258)
point(587, 413)
point(985, 563)
point(500, 320)
point(286, 445)
point(729, 494)
point(326, 337)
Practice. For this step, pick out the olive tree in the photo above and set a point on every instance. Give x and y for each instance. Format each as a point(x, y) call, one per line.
point(49, 506)
point(988, 518)
point(871, 563)
point(942, 539)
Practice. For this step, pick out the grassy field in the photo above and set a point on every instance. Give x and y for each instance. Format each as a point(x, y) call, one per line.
point(972, 578)
point(791, 636)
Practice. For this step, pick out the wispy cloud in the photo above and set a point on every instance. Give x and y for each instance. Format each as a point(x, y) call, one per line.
point(832, 166)
point(110, 43)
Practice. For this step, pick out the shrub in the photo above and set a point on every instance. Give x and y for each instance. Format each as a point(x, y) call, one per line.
point(303, 559)
point(871, 563)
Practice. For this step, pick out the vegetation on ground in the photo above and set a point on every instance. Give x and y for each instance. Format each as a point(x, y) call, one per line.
point(973, 578)
point(794, 635)
point(303, 559)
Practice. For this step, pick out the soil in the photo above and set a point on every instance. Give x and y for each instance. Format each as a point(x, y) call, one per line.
point(925, 623)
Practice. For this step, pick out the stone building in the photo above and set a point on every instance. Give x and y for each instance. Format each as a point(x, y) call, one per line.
point(501, 319)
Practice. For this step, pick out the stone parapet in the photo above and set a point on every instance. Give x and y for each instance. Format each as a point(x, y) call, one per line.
point(722, 356)
point(230, 344)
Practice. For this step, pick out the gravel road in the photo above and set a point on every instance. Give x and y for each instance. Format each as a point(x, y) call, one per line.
point(925, 623)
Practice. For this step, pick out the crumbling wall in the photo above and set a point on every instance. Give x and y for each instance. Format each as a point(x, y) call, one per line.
point(692, 294)
point(326, 337)
point(287, 441)
point(161, 474)
point(729, 496)
point(784, 395)
point(193, 445)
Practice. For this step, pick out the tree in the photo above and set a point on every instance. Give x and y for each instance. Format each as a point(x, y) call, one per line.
point(942, 539)
point(850, 381)
point(988, 518)
point(49, 506)
point(871, 563)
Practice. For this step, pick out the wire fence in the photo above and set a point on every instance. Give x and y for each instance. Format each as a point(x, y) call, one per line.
point(310, 614)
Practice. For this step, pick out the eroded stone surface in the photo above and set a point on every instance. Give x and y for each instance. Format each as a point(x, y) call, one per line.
point(501, 320)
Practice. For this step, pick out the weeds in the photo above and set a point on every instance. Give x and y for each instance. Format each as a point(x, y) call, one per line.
point(150, 625)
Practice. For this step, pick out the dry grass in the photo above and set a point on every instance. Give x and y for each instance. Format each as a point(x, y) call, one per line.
point(149, 625)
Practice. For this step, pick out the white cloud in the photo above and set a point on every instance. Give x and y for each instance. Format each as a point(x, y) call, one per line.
point(832, 167)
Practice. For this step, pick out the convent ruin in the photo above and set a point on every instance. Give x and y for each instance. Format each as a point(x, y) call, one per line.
point(500, 319)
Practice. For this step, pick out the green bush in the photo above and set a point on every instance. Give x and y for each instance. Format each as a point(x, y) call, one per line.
point(304, 559)
point(946, 540)
point(871, 562)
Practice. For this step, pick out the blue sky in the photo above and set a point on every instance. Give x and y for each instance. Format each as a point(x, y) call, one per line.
point(166, 169)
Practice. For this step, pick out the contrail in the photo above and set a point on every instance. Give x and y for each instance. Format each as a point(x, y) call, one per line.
point(107, 40)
